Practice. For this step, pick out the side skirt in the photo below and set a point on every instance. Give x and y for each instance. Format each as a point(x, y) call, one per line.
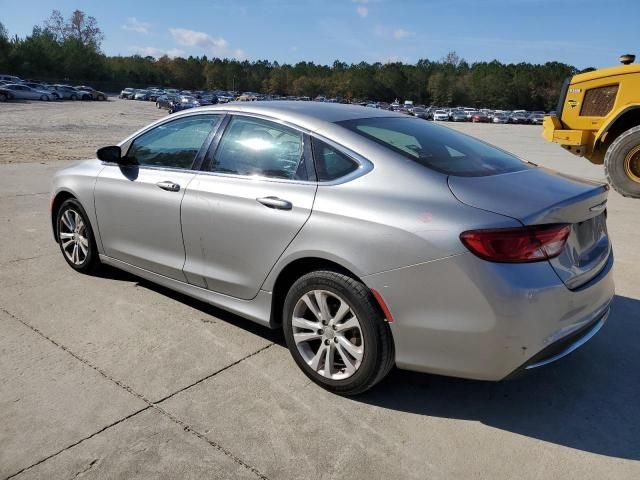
point(257, 309)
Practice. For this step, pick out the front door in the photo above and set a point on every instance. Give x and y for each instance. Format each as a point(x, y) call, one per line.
point(138, 205)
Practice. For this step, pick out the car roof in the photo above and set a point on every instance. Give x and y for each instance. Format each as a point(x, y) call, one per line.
point(309, 115)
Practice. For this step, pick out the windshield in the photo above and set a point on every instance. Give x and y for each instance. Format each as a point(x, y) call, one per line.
point(439, 148)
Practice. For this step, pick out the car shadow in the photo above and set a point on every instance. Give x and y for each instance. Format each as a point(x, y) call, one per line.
point(588, 401)
point(275, 336)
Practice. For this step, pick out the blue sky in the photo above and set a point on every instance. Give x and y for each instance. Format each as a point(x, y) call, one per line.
point(579, 32)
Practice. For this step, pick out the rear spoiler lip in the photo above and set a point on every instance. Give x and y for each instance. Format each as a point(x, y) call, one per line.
point(581, 204)
point(574, 208)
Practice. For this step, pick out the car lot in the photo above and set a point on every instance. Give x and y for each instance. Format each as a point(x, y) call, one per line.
point(113, 377)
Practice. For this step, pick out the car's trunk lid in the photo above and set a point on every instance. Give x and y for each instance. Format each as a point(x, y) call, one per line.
point(539, 196)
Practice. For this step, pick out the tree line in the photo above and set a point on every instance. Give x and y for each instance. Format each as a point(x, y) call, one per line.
point(68, 50)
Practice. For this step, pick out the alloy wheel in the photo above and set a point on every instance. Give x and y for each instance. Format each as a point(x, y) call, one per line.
point(327, 334)
point(72, 232)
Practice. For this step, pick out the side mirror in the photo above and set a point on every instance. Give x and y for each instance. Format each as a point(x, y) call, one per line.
point(112, 154)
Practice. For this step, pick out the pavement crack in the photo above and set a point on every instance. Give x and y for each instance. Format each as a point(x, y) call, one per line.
point(89, 467)
point(16, 260)
point(25, 195)
point(203, 379)
point(150, 404)
point(84, 439)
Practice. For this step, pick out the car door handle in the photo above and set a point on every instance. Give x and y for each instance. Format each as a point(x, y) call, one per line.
point(169, 186)
point(275, 202)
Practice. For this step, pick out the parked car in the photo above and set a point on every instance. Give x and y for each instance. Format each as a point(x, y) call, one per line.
point(208, 99)
point(95, 94)
point(183, 102)
point(141, 95)
point(163, 101)
point(12, 79)
point(68, 92)
point(479, 117)
point(536, 118)
point(519, 117)
point(23, 92)
point(419, 112)
point(45, 88)
point(5, 94)
point(508, 269)
point(441, 116)
point(458, 116)
point(154, 95)
point(500, 118)
point(127, 93)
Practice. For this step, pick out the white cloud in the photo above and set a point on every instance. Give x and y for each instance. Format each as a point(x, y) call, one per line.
point(396, 34)
point(362, 11)
point(158, 52)
point(401, 33)
point(134, 25)
point(217, 46)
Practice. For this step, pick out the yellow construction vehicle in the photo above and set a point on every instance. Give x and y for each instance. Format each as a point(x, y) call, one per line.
point(598, 117)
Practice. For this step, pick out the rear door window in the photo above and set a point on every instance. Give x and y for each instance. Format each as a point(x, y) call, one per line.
point(256, 147)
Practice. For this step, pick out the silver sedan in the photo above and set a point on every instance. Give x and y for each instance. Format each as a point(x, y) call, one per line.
point(25, 92)
point(371, 238)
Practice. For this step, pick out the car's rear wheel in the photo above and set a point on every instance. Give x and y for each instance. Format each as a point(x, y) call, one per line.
point(622, 163)
point(75, 237)
point(3, 97)
point(336, 332)
point(44, 98)
point(74, 97)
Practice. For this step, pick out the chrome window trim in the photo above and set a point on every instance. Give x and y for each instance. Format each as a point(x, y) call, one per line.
point(365, 165)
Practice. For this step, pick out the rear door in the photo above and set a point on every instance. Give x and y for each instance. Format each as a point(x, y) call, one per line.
point(138, 206)
point(253, 197)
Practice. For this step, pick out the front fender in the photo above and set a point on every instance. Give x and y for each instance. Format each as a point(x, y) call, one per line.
point(613, 118)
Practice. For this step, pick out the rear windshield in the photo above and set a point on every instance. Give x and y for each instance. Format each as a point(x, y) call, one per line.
point(436, 147)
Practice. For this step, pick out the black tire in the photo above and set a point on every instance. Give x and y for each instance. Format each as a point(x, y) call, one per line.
point(74, 97)
point(44, 98)
point(3, 97)
point(378, 357)
point(615, 159)
point(91, 262)
point(101, 98)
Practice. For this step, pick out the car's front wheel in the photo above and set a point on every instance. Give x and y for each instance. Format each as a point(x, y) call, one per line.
point(336, 332)
point(75, 237)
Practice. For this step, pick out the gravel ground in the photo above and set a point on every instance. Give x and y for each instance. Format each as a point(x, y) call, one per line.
point(45, 131)
point(113, 377)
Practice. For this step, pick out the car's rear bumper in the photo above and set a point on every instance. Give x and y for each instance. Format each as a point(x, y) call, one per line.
point(465, 317)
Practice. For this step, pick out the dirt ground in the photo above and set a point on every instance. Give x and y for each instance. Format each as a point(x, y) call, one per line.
point(45, 131)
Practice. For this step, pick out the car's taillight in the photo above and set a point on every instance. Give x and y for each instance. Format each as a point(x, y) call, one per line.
point(517, 245)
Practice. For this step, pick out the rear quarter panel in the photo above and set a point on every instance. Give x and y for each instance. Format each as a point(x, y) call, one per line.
point(398, 214)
